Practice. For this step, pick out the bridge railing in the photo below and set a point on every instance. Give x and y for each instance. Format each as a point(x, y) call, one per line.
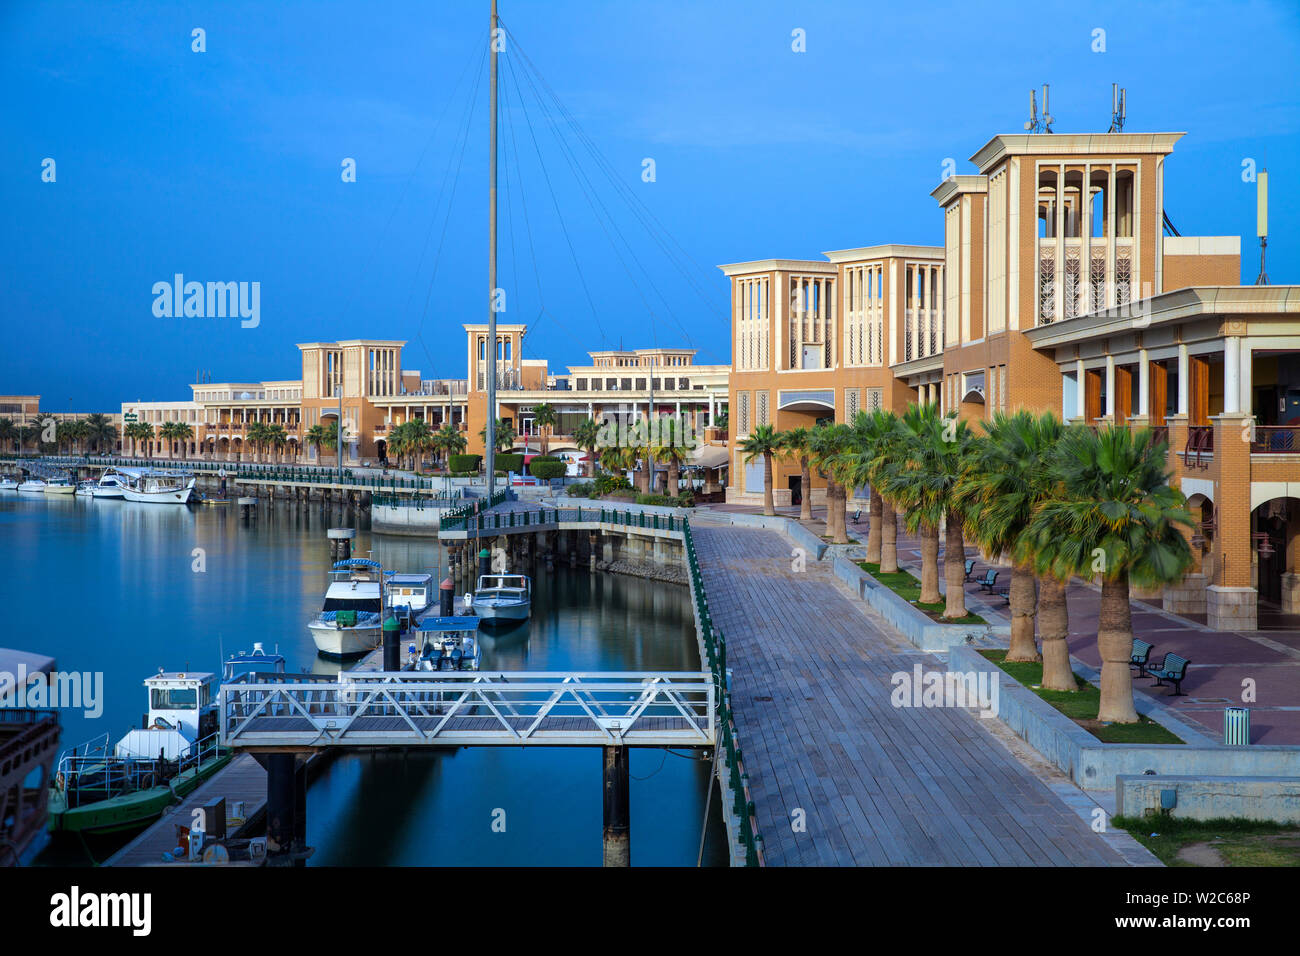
point(715, 648)
point(472, 708)
point(470, 522)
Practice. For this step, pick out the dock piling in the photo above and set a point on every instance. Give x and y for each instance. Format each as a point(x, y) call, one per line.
point(617, 808)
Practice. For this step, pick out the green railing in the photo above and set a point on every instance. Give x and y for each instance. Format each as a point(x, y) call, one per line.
point(482, 519)
point(439, 499)
point(715, 647)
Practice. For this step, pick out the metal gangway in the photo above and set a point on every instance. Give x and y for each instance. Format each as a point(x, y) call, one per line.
point(456, 709)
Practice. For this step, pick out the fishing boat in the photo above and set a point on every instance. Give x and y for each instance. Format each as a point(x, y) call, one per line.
point(32, 486)
point(445, 644)
point(502, 598)
point(349, 623)
point(154, 485)
point(409, 597)
point(175, 749)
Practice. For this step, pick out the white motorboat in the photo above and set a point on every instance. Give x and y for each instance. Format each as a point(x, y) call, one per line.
point(154, 485)
point(8, 484)
point(32, 486)
point(110, 485)
point(349, 623)
point(409, 597)
point(503, 598)
point(85, 488)
point(445, 644)
point(59, 486)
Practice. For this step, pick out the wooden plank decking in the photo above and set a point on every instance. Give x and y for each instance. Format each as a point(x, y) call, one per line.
point(879, 785)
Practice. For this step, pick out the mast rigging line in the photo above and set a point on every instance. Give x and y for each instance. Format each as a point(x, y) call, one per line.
point(678, 256)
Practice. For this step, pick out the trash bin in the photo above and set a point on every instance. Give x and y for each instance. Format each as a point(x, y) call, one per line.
point(1236, 726)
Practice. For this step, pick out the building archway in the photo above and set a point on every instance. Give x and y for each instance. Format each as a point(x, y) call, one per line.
point(1275, 546)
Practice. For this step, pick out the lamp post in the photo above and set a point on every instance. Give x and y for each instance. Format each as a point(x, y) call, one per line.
point(338, 438)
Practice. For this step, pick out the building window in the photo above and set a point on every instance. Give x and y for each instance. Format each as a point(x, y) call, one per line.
point(760, 402)
point(875, 399)
point(852, 402)
point(742, 413)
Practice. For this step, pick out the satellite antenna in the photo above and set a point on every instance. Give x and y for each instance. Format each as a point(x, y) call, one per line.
point(1118, 110)
point(1036, 125)
point(1261, 221)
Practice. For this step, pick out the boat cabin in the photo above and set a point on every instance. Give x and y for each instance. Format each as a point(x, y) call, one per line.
point(507, 585)
point(446, 644)
point(409, 595)
point(258, 662)
point(357, 586)
point(182, 710)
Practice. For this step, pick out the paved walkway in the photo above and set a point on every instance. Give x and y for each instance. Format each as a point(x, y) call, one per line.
point(1220, 660)
point(879, 785)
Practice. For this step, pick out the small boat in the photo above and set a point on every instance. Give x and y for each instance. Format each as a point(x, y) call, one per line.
point(86, 488)
point(445, 644)
point(154, 485)
point(258, 662)
point(150, 768)
point(349, 624)
point(503, 598)
point(32, 486)
point(109, 485)
point(59, 486)
point(8, 484)
point(408, 597)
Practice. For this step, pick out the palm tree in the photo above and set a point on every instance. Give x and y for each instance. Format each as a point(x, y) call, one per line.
point(183, 432)
point(763, 442)
point(449, 441)
point(795, 444)
point(587, 436)
point(144, 432)
point(1008, 482)
point(936, 454)
point(544, 418)
point(256, 435)
point(318, 436)
point(419, 439)
point(871, 447)
point(100, 430)
point(505, 435)
point(276, 435)
point(671, 448)
point(827, 443)
point(9, 432)
point(618, 458)
point(1116, 517)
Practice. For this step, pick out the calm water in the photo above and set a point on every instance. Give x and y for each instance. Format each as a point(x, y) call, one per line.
point(120, 588)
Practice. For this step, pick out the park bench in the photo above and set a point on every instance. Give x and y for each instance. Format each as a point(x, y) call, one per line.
point(1141, 654)
point(1173, 669)
point(970, 568)
point(857, 516)
point(986, 583)
point(1003, 592)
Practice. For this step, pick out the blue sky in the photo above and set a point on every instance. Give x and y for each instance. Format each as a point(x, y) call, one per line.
point(226, 165)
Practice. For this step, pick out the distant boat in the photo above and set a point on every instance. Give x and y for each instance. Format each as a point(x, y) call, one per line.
point(109, 485)
point(349, 623)
point(8, 484)
point(32, 486)
point(59, 486)
point(503, 598)
point(155, 485)
point(258, 662)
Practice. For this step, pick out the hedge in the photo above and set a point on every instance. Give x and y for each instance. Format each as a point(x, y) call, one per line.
point(546, 467)
point(464, 462)
point(512, 462)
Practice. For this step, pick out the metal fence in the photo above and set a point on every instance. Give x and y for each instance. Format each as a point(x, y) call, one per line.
point(715, 647)
point(469, 521)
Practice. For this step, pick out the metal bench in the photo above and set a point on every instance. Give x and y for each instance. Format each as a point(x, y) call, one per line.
point(970, 568)
point(1003, 592)
point(1141, 654)
point(1173, 669)
point(986, 583)
point(857, 516)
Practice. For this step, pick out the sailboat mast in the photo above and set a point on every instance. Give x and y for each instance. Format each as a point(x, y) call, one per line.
point(492, 265)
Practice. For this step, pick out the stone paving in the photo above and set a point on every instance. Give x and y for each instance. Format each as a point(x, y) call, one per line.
point(876, 784)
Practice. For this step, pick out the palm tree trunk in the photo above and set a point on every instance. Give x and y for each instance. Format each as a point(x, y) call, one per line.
point(888, 538)
point(830, 509)
point(841, 535)
point(1115, 644)
point(769, 507)
point(930, 565)
point(873, 530)
point(674, 474)
point(954, 572)
point(1023, 609)
point(805, 490)
point(1054, 628)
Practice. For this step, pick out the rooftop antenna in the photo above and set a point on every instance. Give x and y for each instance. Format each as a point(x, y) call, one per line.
point(1117, 109)
point(1035, 124)
point(1261, 221)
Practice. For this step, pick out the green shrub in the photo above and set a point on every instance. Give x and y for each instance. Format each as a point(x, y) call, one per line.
point(464, 463)
point(512, 462)
point(656, 500)
point(686, 499)
point(547, 467)
point(583, 489)
point(608, 481)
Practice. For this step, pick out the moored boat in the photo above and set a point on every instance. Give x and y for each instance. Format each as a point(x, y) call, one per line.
point(503, 598)
point(446, 644)
point(349, 623)
point(8, 484)
point(154, 485)
point(32, 486)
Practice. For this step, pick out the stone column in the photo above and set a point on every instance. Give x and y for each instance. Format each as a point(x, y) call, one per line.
point(1230, 599)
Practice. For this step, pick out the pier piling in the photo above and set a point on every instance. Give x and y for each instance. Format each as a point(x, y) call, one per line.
point(617, 809)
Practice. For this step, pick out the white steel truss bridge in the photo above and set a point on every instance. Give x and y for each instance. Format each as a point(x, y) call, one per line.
point(451, 709)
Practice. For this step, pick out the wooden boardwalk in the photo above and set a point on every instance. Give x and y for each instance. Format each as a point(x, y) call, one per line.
point(242, 779)
point(877, 784)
